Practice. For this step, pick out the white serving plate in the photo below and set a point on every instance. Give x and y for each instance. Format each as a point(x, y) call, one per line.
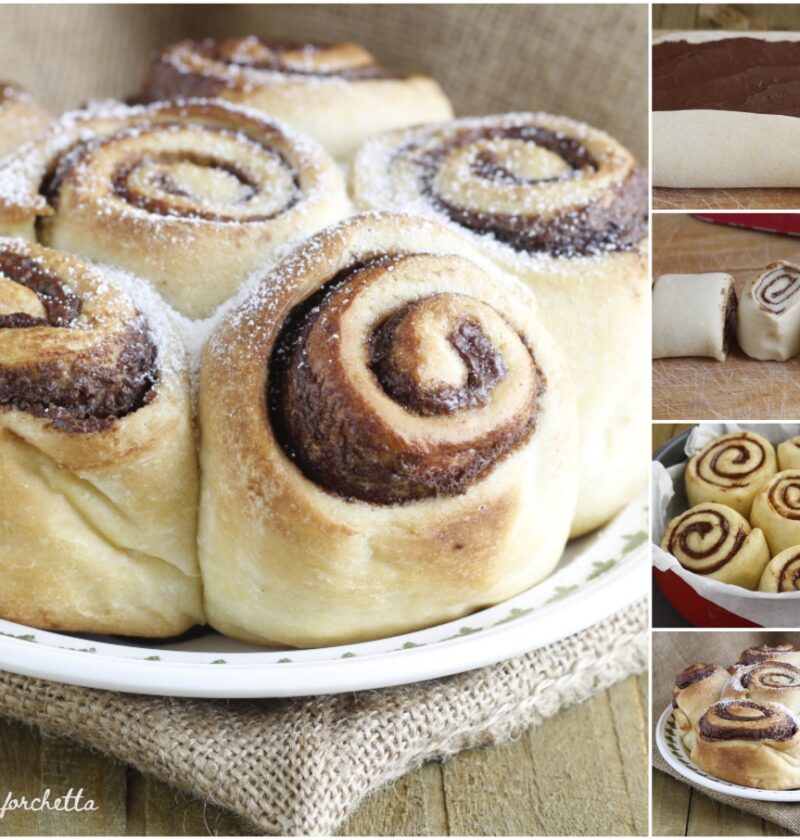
point(597, 576)
point(672, 749)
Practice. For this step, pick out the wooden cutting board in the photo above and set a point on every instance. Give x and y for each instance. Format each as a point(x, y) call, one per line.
point(740, 388)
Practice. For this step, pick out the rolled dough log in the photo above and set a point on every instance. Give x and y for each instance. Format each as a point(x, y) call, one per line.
point(693, 315)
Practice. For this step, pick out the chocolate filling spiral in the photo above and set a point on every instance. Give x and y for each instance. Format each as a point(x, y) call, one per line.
point(731, 461)
point(362, 412)
point(694, 673)
point(746, 720)
point(771, 675)
point(206, 68)
point(776, 289)
point(78, 389)
point(484, 162)
point(714, 544)
point(762, 653)
point(789, 575)
point(161, 169)
point(783, 495)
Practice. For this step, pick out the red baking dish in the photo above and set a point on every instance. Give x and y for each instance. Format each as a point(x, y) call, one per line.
point(786, 223)
point(694, 607)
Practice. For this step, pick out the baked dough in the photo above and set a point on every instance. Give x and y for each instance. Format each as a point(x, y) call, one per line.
point(783, 572)
point(695, 689)
point(693, 315)
point(368, 460)
point(768, 324)
point(706, 147)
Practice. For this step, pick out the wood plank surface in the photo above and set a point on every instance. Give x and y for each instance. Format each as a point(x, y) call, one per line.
point(744, 17)
point(581, 772)
point(739, 388)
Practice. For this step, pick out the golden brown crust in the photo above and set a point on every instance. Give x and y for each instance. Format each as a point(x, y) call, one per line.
point(335, 93)
point(360, 569)
point(94, 412)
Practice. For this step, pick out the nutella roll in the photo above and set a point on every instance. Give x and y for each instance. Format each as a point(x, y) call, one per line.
point(21, 117)
point(766, 682)
point(388, 440)
point(768, 325)
point(789, 454)
point(756, 744)
point(336, 93)
point(695, 689)
point(726, 109)
point(693, 315)
point(564, 207)
point(776, 510)
point(97, 452)
point(783, 652)
point(193, 196)
point(717, 542)
point(730, 470)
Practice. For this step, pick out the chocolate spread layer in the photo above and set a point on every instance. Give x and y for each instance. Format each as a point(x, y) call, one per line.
point(616, 224)
point(679, 539)
point(732, 74)
point(326, 429)
point(764, 652)
point(774, 725)
point(83, 391)
point(693, 674)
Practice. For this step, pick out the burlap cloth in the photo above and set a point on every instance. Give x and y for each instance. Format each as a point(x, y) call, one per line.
point(300, 767)
point(674, 651)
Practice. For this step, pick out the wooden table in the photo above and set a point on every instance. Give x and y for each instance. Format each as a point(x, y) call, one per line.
point(582, 772)
point(746, 17)
point(739, 388)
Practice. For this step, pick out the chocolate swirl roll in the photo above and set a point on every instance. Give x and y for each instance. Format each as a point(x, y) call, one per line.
point(784, 652)
point(192, 196)
point(564, 207)
point(768, 325)
point(335, 93)
point(756, 744)
point(730, 470)
point(766, 682)
point(776, 510)
point(717, 542)
point(789, 454)
point(782, 573)
point(695, 689)
point(403, 434)
point(94, 411)
point(21, 117)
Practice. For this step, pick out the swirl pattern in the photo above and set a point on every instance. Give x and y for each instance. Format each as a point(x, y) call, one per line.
point(336, 93)
point(778, 288)
point(388, 388)
point(538, 183)
point(780, 652)
point(730, 470)
point(715, 541)
point(440, 356)
point(776, 510)
point(71, 350)
point(767, 681)
point(782, 573)
point(747, 720)
point(161, 190)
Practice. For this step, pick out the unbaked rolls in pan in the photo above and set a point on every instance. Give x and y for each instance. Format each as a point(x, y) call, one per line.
point(97, 452)
point(388, 440)
point(193, 196)
point(564, 207)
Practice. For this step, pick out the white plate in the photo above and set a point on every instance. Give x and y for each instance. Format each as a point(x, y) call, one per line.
point(671, 747)
point(597, 576)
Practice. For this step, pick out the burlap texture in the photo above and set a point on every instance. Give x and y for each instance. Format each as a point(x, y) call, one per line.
point(674, 651)
point(302, 766)
point(585, 61)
